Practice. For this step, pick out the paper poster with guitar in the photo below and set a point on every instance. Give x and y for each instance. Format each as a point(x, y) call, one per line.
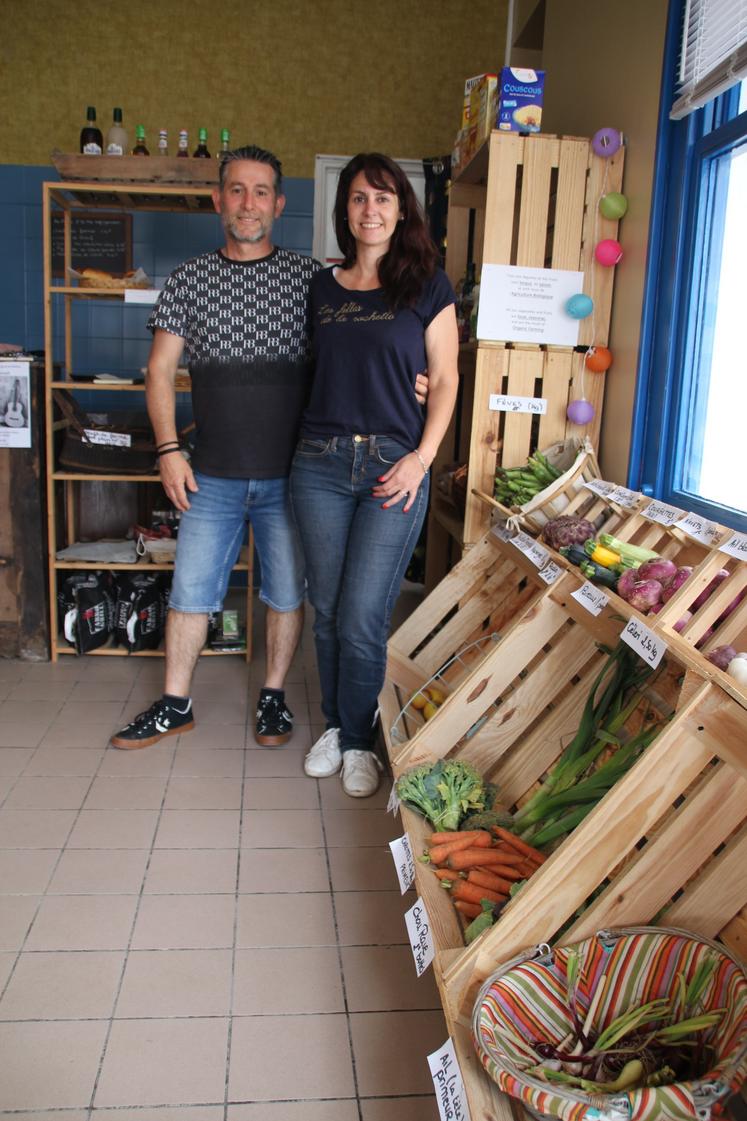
point(15, 426)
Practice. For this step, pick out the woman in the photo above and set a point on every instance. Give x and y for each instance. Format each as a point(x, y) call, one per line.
point(359, 483)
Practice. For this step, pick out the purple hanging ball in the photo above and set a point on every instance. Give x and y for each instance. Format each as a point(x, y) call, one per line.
point(580, 412)
point(608, 252)
point(606, 141)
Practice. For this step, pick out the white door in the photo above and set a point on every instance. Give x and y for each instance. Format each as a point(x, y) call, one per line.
point(326, 173)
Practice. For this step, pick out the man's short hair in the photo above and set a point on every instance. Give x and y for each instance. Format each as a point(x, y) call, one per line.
point(259, 155)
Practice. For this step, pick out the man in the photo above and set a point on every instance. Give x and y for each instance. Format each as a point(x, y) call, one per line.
point(241, 315)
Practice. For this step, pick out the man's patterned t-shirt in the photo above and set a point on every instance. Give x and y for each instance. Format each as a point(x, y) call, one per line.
point(245, 326)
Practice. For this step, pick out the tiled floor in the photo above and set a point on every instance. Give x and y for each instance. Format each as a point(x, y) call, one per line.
point(196, 931)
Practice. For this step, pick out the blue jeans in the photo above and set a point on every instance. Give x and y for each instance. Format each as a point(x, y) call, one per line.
point(211, 533)
point(356, 556)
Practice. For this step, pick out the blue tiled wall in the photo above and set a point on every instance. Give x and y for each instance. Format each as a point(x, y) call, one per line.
point(107, 338)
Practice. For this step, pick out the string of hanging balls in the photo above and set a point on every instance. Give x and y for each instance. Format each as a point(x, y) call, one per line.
point(611, 205)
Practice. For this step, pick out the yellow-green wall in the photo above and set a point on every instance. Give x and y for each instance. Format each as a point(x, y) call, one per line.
point(297, 76)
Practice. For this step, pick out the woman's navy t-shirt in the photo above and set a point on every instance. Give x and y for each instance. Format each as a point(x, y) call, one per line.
point(366, 358)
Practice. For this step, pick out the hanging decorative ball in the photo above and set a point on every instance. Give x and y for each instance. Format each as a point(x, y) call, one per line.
point(598, 359)
point(613, 206)
point(608, 252)
point(579, 306)
point(580, 412)
point(606, 141)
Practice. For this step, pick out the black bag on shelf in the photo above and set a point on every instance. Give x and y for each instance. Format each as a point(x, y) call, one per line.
point(86, 608)
point(118, 443)
point(139, 614)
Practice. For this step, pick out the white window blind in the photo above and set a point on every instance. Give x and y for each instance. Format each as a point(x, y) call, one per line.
point(713, 53)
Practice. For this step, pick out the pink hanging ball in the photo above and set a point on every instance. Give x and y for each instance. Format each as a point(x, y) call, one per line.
point(608, 252)
point(580, 412)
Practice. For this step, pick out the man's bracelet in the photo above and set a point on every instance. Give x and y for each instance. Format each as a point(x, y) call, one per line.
point(167, 444)
point(167, 451)
point(422, 462)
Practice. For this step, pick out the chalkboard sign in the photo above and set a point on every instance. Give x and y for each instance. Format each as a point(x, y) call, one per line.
point(99, 241)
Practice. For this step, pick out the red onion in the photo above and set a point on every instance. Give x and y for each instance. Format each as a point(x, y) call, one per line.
point(721, 656)
point(659, 569)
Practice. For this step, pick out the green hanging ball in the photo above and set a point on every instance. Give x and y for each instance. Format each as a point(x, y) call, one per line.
point(613, 206)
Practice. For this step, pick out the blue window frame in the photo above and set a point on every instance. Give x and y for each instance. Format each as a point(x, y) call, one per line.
point(674, 446)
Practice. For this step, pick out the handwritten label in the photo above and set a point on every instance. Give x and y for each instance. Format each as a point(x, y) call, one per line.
point(403, 862)
point(699, 528)
point(504, 403)
point(736, 546)
point(114, 439)
point(600, 487)
point(624, 497)
point(661, 513)
point(501, 531)
point(645, 643)
point(448, 1084)
point(419, 931)
point(590, 597)
point(550, 573)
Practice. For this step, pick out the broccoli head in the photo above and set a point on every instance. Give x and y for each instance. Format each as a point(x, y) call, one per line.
point(443, 792)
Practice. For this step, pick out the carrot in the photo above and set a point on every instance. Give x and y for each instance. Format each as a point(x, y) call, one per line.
point(507, 871)
point(470, 910)
point(519, 845)
point(508, 856)
point(460, 835)
point(475, 858)
point(487, 879)
point(439, 853)
point(445, 874)
point(473, 893)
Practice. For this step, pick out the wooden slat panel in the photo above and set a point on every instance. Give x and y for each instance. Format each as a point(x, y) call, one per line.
point(555, 382)
point(524, 367)
point(591, 386)
point(569, 205)
point(540, 156)
point(719, 891)
point(506, 153)
point(734, 934)
point(457, 237)
point(492, 365)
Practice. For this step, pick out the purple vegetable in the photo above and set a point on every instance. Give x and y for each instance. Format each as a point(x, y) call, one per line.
point(659, 569)
point(680, 577)
point(645, 594)
point(567, 529)
point(717, 579)
point(680, 624)
point(627, 582)
point(732, 607)
point(721, 656)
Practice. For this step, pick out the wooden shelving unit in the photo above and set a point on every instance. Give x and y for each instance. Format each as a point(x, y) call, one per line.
point(67, 197)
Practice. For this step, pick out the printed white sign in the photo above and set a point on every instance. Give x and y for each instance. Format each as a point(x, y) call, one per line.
point(141, 295)
point(591, 598)
point(661, 513)
point(526, 305)
point(550, 573)
point(448, 1084)
point(736, 546)
point(113, 439)
point(504, 403)
point(15, 403)
point(699, 528)
point(645, 643)
point(403, 862)
point(421, 941)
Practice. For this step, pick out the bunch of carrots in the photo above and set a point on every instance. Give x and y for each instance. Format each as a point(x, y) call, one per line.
point(477, 864)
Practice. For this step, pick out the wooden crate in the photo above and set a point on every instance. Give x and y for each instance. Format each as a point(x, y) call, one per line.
point(668, 843)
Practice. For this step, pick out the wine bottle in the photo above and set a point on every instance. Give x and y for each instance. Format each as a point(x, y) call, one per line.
point(163, 142)
point(117, 142)
point(201, 151)
point(91, 140)
point(183, 149)
point(140, 149)
point(225, 141)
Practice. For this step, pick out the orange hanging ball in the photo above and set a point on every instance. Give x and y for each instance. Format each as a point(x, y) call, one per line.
point(598, 359)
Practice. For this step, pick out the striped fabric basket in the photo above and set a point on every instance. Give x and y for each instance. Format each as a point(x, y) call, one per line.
point(524, 1003)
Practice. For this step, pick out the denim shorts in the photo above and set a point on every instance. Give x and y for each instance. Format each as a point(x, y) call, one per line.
point(212, 531)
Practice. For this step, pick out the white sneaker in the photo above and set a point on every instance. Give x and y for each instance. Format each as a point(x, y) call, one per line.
point(360, 773)
point(325, 757)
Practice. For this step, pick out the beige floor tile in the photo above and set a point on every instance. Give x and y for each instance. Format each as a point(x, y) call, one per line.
point(66, 670)
point(294, 1111)
point(400, 1109)
point(91, 712)
point(222, 712)
point(7, 961)
point(318, 1050)
point(21, 712)
point(176, 1061)
point(202, 829)
point(366, 918)
point(383, 978)
point(228, 736)
point(26, 734)
point(355, 828)
point(279, 762)
point(48, 691)
point(35, 829)
point(47, 793)
point(50, 1065)
point(149, 762)
point(180, 1113)
point(184, 922)
point(353, 868)
point(160, 983)
point(99, 872)
point(281, 794)
point(71, 735)
point(83, 922)
point(209, 762)
point(126, 794)
point(16, 915)
point(335, 798)
point(53, 761)
point(297, 919)
point(193, 871)
point(282, 870)
point(96, 692)
point(6, 785)
point(390, 1050)
point(287, 981)
point(291, 828)
point(12, 670)
point(114, 829)
point(56, 986)
point(26, 871)
point(13, 760)
point(203, 794)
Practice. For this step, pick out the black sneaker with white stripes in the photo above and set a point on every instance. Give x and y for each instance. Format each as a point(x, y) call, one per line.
point(160, 720)
point(274, 718)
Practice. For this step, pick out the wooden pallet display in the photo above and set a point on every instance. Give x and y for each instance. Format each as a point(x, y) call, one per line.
point(667, 843)
point(541, 210)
